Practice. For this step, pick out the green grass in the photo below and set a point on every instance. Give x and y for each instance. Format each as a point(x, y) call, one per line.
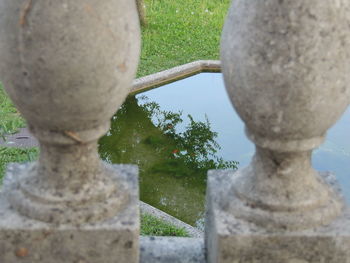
point(180, 31)
point(152, 226)
point(10, 119)
point(14, 155)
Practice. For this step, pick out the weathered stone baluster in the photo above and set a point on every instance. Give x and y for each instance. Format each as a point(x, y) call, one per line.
point(68, 65)
point(286, 68)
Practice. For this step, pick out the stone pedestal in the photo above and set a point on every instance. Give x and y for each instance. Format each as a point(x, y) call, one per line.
point(112, 240)
point(285, 66)
point(68, 66)
point(229, 239)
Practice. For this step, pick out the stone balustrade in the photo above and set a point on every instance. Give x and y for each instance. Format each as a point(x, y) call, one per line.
point(68, 65)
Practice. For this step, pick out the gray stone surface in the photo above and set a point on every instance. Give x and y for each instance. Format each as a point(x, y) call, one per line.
point(285, 66)
point(171, 250)
point(112, 240)
point(286, 69)
point(230, 239)
point(68, 66)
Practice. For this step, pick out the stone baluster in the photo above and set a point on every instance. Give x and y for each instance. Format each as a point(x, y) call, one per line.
point(68, 65)
point(286, 69)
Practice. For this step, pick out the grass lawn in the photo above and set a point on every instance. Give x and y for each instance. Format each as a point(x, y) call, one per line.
point(10, 120)
point(10, 155)
point(178, 32)
point(181, 31)
point(152, 226)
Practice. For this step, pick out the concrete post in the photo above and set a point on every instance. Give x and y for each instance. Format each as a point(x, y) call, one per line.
point(286, 70)
point(68, 65)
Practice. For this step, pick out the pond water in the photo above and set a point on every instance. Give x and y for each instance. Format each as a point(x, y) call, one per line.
point(176, 132)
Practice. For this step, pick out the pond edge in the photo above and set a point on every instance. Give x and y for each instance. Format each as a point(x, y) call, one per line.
point(173, 74)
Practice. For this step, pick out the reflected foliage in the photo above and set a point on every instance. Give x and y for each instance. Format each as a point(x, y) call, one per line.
point(186, 151)
point(173, 153)
point(195, 148)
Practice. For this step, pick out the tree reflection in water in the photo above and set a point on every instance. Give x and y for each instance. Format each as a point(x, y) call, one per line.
point(173, 158)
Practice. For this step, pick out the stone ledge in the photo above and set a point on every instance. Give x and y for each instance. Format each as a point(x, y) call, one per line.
point(176, 73)
point(25, 240)
point(146, 208)
point(22, 139)
point(171, 250)
point(232, 240)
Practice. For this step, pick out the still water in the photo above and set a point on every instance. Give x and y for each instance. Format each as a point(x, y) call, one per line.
point(177, 132)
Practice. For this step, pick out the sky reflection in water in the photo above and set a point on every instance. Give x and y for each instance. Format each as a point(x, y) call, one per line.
point(204, 97)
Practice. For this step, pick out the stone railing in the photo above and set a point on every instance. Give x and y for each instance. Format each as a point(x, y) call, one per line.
point(68, 65)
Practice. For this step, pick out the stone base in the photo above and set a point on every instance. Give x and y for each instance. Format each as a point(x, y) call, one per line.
point(229, 239)
point(114, 240)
